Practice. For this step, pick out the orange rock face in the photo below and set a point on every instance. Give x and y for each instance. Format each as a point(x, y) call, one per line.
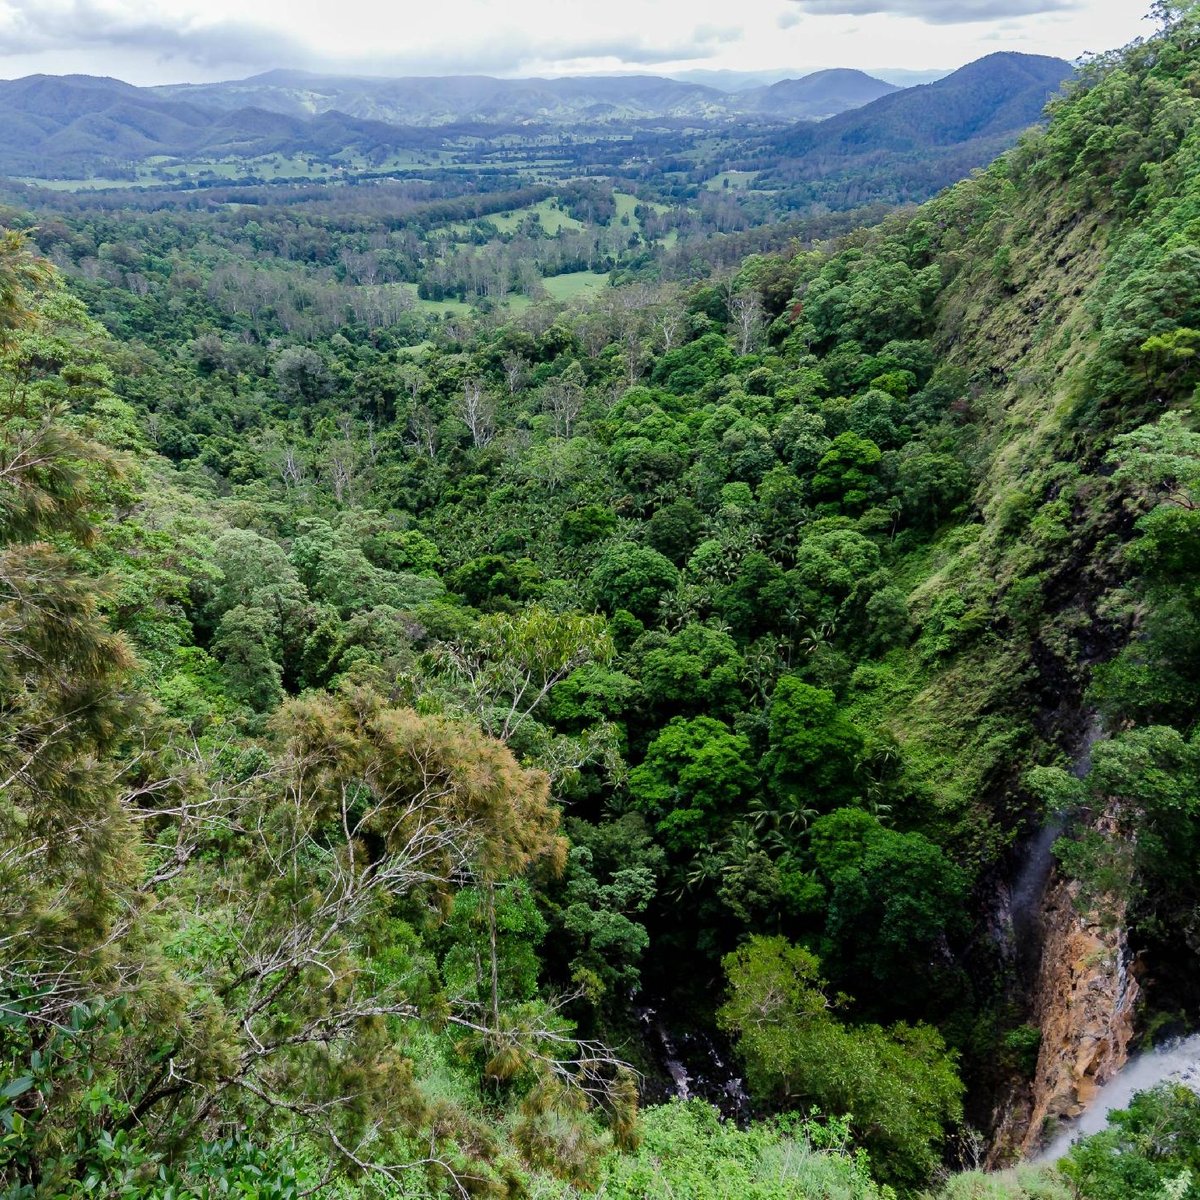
point(1084, 1002)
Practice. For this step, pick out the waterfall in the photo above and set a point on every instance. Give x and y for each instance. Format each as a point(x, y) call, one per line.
point(1028, 888)
point(695, 1063)
point(1077, 970)
point(1177, 1061)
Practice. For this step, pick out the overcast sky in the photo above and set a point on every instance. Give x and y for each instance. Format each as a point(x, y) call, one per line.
point(163, 41)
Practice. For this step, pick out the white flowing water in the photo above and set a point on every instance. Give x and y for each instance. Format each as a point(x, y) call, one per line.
point(695, 1064)
point(1028, 888)
point(1177, 1062)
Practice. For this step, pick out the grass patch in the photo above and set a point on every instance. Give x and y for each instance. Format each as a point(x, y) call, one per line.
point(730, 181)
point(574, 284)
point(81, 185)
point(549, 216)
point(457, 307)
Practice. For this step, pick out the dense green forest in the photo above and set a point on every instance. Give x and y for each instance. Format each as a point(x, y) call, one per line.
point(413, 723)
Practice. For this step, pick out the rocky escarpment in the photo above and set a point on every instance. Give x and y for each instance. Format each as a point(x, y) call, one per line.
point(1083, 1002)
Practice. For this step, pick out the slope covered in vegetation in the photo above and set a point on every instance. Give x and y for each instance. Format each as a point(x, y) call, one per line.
point(388, 729)
point(908, 144)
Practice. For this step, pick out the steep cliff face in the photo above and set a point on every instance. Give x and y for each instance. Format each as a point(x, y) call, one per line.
point(1083, 1003)
point(1020, 317)
point(1053, 303)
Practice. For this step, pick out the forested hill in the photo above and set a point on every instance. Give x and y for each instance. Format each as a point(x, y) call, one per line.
point(78, 123)
point(819, 95)
point(931, 134)
point(418, 741)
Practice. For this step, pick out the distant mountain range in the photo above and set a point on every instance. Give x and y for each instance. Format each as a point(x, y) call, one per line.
point(62, 123)
point(837, 121)
point(51, 124)
point(740, 81)
point(453, 99)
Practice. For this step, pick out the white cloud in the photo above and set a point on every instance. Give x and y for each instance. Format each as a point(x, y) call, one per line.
point(171, 40)
point(938, 12)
